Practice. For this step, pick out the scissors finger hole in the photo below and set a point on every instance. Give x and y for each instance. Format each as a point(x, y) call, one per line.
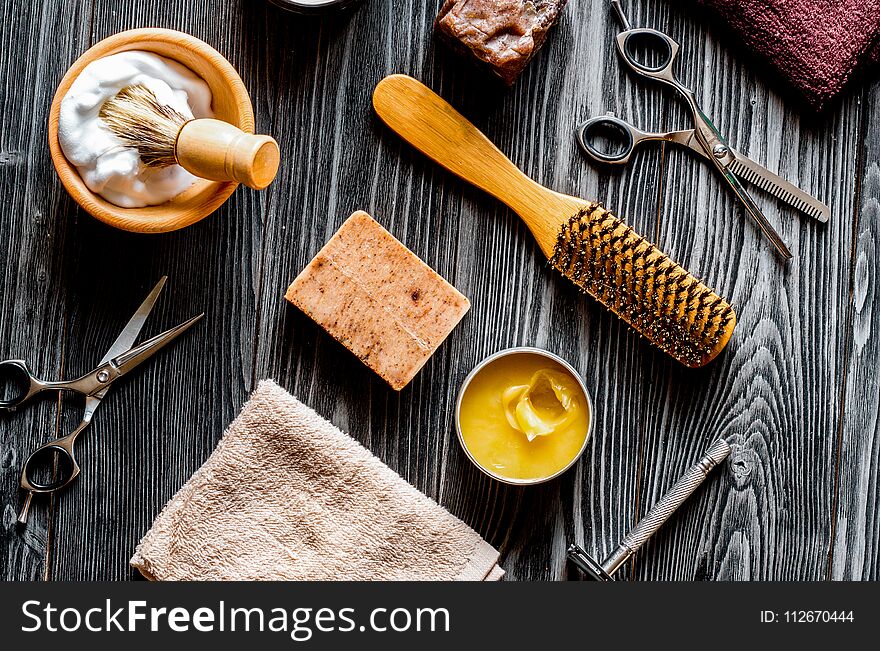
point(606, 140)
point(49, 468)
point(14, 383)
point(648, 50)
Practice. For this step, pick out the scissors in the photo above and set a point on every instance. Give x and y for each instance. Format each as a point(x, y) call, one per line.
point(704, 138)
point(123, 357)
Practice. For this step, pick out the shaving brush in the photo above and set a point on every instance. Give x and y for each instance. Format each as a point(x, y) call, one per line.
point(207, 148)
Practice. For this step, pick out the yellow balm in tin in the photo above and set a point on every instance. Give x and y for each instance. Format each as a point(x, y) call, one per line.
point(523, 416)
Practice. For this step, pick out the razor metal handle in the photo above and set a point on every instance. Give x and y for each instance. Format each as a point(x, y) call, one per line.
point(660, 512)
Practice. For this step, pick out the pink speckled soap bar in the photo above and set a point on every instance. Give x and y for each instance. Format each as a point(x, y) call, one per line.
point(378, 299)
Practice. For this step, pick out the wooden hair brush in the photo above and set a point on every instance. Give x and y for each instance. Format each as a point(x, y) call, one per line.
point(210, 149)
point(590, 246)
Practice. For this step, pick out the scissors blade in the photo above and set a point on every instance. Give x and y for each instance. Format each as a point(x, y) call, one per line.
point(779, 188)
point(752, 208)
point(686, 138)
point(132, 329)
point(130, 359)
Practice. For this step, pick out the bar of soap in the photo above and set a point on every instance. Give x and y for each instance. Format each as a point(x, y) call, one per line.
point(378, 299)
point(503, 34)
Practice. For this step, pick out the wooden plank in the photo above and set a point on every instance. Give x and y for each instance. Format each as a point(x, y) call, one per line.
point(854, 554)
point(155, 429)
point(343, 159)
point(775, 392)
point(37, 44)
point(71, 283)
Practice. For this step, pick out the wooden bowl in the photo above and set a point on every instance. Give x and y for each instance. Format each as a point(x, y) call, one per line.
point(230, 103)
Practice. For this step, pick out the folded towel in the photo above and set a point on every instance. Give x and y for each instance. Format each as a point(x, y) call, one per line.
point(288, 496)
point(818, 45)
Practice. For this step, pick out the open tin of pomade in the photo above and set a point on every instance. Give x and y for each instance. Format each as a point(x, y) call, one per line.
point(523, 416)
point(313, 6)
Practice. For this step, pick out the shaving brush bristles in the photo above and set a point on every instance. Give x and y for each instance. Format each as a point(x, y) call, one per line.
point(141, 122)
point(629, 275)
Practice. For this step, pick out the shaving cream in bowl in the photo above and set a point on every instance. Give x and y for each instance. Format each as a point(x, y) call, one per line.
point(106, 165)
point(230, 103)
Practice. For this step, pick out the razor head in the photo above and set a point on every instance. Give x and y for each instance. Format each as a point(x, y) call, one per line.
point(587, 564)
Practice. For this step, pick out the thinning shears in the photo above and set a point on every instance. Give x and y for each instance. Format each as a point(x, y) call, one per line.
point(633, 45)
point(20, 385)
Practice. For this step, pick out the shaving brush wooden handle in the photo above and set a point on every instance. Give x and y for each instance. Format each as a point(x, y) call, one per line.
point(208, 148)
point(216, 150)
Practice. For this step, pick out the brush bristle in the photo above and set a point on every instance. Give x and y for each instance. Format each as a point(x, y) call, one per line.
point(660, 299)
point(136, 117)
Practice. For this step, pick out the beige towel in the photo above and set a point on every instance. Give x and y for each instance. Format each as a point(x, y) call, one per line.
point(288, 496)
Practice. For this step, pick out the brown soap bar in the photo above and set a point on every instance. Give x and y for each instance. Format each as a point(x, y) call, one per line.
point(503, 34)
point(378, 299)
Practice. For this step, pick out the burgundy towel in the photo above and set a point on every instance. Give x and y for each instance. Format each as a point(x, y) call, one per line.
point(818, 45)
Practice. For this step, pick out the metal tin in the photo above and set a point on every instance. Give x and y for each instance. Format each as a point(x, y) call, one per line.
point(318, 7)
point(514, 351)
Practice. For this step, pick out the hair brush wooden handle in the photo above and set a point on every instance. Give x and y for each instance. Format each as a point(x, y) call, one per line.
point(431, 125)
point(598, 252)
point(219, 151)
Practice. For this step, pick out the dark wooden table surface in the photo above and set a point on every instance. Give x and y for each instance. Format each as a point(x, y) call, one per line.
point(796, 392)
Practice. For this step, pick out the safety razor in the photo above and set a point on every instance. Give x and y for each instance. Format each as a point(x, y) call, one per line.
point(659, 513)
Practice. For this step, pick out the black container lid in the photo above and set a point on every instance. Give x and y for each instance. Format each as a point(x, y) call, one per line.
point(313, 7)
